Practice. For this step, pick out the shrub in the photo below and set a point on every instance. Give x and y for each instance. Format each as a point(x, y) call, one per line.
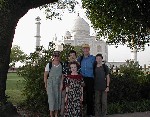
point(127, 86)
point(33, 73)
point(123, 89)
point(131, 84)
point(129, 107)
point(129, 90)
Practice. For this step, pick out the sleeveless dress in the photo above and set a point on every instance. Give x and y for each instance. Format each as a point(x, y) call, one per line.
point(53, 87)
point(73, 106)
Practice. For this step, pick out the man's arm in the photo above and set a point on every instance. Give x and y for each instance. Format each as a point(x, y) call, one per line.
point(107, 76)
point(108, 80)
point(107, 83)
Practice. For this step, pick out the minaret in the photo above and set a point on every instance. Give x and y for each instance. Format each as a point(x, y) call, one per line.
point(37, 32)
point(134, 54)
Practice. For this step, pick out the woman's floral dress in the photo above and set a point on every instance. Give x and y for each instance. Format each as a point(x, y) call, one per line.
point(73, 105)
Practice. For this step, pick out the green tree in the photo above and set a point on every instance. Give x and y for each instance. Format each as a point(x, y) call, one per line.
point(33, 71)
point(131, 68)
point(56, 10)
point(131, 77)
point(78, 49)
point(17, 55)
point(10, 13)
point(121, 22)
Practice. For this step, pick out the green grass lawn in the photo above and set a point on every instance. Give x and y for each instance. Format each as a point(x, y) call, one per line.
point(14, 87)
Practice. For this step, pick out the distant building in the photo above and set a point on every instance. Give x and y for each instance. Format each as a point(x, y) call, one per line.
point(80, 34)
point(37, 36)
point(116, 64)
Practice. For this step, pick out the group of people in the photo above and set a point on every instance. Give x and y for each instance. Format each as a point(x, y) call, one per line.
point(79, 83)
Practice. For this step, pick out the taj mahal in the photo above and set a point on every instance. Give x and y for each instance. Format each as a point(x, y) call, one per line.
point(79, 34)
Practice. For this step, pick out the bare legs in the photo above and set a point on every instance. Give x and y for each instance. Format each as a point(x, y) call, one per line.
point(54, 113)
point(51, 113)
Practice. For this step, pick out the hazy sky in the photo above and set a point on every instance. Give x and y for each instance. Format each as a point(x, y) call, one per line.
point(26, 30)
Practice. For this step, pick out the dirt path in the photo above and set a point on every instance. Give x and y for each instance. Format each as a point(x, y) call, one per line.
point(136, 114)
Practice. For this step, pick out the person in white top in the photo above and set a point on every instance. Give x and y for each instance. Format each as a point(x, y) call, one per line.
point(53, 84)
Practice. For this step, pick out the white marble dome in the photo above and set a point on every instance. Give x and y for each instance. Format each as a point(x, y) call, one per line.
point(80, 26)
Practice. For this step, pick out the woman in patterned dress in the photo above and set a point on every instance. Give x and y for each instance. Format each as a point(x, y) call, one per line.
point(53, 84)
point(74, 92)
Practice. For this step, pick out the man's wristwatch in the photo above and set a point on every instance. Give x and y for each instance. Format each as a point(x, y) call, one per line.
point(107, 86)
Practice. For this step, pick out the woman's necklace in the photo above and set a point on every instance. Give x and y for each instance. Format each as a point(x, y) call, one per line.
point(56, 65)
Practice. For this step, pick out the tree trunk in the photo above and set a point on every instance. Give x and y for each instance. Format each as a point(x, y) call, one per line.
point(10, 13)
point(7, 29)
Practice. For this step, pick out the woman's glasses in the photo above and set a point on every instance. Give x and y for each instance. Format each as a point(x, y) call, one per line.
point(56, 55)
